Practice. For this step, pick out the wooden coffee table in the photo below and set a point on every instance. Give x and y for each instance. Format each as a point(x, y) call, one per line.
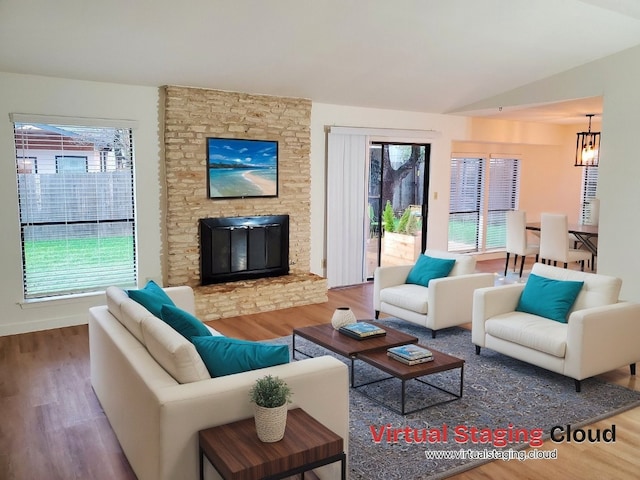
point(236, 453)
point(328, 337)
point(441, 363)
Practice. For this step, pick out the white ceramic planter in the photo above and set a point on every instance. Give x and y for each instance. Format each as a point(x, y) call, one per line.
point(342, 316)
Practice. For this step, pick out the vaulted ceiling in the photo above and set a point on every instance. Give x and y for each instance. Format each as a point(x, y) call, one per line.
point(420, 55)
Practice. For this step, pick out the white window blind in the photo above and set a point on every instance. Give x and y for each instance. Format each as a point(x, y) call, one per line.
point(479, 200)
point(589, 190)
point(346, 178)
point(76, 200)
point(467, 189)
point(504, 175)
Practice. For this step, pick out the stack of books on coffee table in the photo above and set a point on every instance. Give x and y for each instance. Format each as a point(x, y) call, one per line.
point(362, 330)
point(410, 354)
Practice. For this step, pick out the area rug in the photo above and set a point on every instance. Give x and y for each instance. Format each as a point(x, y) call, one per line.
point(507, 405)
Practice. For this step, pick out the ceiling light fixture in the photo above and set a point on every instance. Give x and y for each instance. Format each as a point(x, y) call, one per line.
point(588, 147)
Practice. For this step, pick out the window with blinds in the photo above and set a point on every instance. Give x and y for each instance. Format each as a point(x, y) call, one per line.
point(482, 191)
point(504, 176)
point(466, 203)
point(76, 200)
point(589, 190)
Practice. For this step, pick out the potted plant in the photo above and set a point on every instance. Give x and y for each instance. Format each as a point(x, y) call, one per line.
point(389, 218)
point(270, 396)
point(401, 239)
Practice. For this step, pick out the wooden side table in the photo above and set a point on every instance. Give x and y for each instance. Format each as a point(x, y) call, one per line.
point(236, 453)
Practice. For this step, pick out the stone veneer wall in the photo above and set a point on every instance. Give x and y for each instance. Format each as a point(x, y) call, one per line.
point(190, 116)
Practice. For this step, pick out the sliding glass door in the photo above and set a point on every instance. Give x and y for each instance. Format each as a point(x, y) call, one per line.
point(397, 204)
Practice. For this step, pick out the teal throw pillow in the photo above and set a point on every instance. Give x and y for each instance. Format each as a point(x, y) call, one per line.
point(427, 268)
point(152, 297)
point(183, 322)
point(225, 356)
point(549, 298)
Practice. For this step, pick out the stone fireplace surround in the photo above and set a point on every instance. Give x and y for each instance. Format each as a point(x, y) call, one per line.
point(190, 116)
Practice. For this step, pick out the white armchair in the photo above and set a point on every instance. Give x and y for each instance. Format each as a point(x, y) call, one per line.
point(600, 334)
point(446, 301)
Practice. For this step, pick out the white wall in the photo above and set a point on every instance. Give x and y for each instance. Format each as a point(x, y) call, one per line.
point(547, 152)
point(448, 127)
point(619, 172)
point(616, 78)
point(52, 96)
point(549, 181)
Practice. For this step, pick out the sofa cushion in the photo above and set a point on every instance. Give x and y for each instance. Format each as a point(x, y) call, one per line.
point(548, 298)
point(116, 296)
point(126, 311)
point(172, 351)
point(598, 289)
point(408, 296)
point(131, 316)
point(152, 297)
point(427, 268)
point(465, 264)
point(183, 322)
point(531, 331)
point(226, 356)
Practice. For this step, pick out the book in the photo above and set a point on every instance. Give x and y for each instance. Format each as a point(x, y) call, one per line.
point(410, 362)
point(410, 351)
point(361, 330)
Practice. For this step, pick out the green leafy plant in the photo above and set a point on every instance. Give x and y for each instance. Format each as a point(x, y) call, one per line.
point(409, 223)
point(413, 225)
point(404, 221)
point(389, 218)
point(270, 392)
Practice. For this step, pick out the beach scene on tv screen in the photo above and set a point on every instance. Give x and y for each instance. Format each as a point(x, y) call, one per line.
point(242, 168)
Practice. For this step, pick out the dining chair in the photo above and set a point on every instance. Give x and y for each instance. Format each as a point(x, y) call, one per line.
point(579, 245)
point(554, 241)
point(517, 240)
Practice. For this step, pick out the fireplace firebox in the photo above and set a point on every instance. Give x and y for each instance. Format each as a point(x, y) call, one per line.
point(242, 248)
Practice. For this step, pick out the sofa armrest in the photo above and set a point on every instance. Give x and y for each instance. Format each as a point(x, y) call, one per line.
point(183, 297)
point(186, 409)
point(384, 277)
point(601, 339)
point(489, 302)
point(451, 298)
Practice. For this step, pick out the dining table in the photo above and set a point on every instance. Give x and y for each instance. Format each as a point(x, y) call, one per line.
point(586, 234)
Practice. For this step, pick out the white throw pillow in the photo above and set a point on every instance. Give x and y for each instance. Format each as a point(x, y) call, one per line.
point(131, 316)
point(177, 355)
point(115, 298)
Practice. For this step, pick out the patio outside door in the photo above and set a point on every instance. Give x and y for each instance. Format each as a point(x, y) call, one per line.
point(398, 177)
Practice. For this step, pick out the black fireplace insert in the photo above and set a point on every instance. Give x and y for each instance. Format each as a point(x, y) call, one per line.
point(242, 248)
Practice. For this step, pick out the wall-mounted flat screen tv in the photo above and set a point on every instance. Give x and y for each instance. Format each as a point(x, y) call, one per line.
point(239, 168)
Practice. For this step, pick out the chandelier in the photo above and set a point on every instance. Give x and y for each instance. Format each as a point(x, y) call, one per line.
point(588, 147)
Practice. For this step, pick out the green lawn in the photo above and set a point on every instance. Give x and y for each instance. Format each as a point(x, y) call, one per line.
point(465, 233)
point(57, 266)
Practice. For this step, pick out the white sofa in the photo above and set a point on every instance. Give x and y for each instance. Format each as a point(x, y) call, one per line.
point(601, 333)
point(446, 302)
point(156, 419)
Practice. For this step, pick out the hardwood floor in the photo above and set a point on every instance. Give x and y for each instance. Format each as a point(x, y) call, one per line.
point(52, 426)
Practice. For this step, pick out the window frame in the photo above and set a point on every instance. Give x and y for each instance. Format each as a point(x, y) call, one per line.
point(490, 222)
point(61, 160)
point(106, 223)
